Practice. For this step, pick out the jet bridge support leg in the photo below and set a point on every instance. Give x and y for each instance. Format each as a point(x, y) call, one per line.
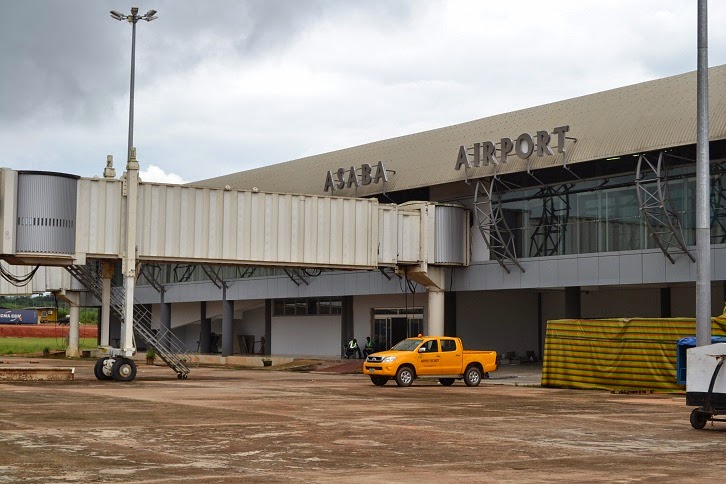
point(107, 271)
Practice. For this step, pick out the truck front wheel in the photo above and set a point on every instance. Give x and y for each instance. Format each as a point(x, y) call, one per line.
point(472, 377)
point(379, 380)
point(404, 376)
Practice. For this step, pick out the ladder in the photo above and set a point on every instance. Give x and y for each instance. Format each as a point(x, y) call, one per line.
point(167, 345)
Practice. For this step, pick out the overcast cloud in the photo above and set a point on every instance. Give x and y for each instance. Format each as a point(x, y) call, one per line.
point(226, 86)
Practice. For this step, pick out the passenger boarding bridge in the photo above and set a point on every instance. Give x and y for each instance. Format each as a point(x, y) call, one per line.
point(87, 225)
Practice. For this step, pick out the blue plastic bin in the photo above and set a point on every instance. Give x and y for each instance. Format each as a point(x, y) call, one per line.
point(682, 345)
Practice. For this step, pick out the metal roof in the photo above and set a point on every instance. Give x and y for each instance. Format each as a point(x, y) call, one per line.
point(642, 117)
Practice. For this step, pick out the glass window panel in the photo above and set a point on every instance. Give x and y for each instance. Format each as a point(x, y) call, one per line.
point(289, 308)
point(623, 221)
point(279, 307)
point(587, 223)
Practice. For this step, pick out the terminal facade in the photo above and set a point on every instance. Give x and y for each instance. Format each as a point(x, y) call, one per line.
point(579, 208)
point(583, 208)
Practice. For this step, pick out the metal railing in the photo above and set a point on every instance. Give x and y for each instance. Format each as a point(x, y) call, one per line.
point(167, 345)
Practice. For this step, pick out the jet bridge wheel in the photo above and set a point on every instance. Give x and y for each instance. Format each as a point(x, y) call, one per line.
point(98, 370)
point(123, 369)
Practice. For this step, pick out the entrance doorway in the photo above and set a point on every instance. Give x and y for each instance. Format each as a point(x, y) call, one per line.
point(391, 325)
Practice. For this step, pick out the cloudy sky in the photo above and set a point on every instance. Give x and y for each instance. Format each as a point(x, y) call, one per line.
point(225, 86)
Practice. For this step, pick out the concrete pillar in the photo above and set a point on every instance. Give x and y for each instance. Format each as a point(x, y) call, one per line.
point(436, 311)
point(268, 327)
point(347, 327)
point(227, 323)
point(107, 271)
point(665, 302)
point(74, 332)
point(205, 332)
point(572, 303)
point(165, 315)
point(450, 313)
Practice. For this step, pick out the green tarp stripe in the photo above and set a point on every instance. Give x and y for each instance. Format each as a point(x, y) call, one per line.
point(641, 372)
point(624, 366)
point(608, 343)
point(653, 333)
point(582, 356)
point(670, 338)
point(632, 378)
point(635, 324)
point(610, 383)
point(597, 352)
point(587, 385)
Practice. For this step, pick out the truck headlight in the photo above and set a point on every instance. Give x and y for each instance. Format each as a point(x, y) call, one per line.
point(388, 359)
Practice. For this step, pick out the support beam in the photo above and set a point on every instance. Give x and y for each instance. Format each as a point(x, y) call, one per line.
point(107, 271)
point(205, 331)
point(436, 311)
point(346, 321)
point(573, 304)
point(165, 312)
point(665, 302)
point(450, 313)
point(73, 332)
point(268, 327)
point(130, 189)
point(227, 323)
point(541, 326)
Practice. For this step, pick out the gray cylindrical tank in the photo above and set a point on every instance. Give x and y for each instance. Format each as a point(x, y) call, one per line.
point(46, 221)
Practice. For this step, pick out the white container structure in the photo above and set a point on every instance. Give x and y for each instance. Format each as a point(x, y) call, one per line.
point(706, 383)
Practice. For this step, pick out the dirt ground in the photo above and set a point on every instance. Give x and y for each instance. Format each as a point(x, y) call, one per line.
point(44, 330)
point(224, 425)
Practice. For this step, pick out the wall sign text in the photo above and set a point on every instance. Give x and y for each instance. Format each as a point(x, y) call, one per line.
point(524, 146)
point(342, 178)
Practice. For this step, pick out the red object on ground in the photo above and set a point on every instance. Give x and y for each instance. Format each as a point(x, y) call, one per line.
point(45, 330)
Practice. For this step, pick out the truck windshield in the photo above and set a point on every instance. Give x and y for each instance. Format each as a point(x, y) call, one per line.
point(407, 344)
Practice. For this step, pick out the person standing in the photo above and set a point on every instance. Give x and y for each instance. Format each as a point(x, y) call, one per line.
point(368, 348)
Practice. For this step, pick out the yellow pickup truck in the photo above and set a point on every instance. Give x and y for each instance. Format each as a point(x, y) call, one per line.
point(439, 357)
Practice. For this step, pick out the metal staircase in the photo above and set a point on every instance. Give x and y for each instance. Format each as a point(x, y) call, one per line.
point(167, 346)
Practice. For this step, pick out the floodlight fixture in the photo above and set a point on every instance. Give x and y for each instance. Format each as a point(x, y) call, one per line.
point(133, 19)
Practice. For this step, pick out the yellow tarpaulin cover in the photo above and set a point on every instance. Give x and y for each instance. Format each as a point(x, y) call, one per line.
point(617, 354)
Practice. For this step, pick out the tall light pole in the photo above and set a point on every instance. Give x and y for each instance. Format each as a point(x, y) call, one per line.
point(131, 185)
point(133, 19)
point(703, 205)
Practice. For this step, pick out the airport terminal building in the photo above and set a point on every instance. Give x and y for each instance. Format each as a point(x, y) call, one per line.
point(485, 230)
point(579, 208)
